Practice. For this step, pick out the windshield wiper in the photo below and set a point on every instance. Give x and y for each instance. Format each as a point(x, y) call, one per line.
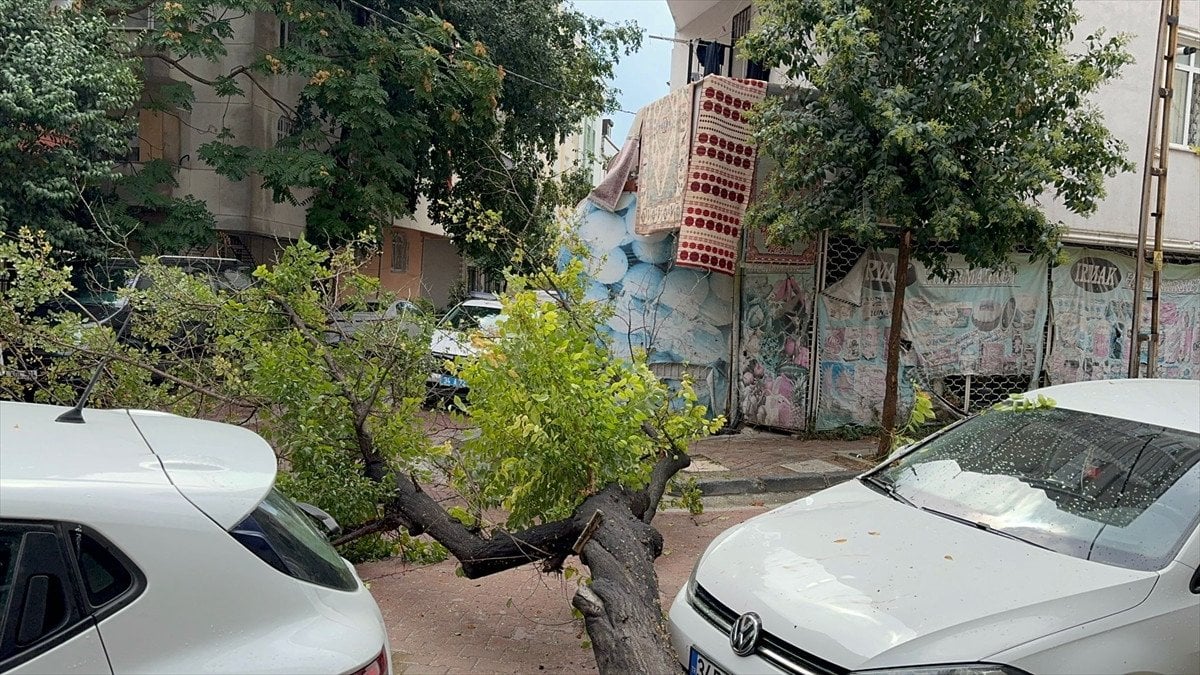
point(887, 489)
point(981, 526)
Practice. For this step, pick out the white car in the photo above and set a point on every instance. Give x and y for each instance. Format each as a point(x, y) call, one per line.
point(1053, 540)
point(452, 337)
point(142, 542)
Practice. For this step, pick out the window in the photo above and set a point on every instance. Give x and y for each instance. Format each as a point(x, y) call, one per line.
point(38, 607)
point(142, 19)
point(10, 541)
point(285, 33)
point(1185, 99)
point(105, 577)
point(742, 67)
point(283, 128)
point(399, 250)
point(285, 538)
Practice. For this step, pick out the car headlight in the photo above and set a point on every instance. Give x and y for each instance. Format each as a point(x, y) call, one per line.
point(691, 582)
point(948, 669)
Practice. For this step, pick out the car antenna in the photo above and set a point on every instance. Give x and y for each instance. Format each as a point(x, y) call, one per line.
point(75, 415)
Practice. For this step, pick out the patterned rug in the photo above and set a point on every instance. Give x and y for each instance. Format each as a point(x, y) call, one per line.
point(666, 136)
point(719, 174)
point(759, 253)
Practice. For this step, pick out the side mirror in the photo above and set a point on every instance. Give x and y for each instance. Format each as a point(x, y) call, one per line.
point(326, 521)
point(1195, 585)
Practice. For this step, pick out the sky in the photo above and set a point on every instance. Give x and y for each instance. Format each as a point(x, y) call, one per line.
point(642, 76)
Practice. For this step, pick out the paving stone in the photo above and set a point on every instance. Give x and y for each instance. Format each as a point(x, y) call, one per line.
point(814, 466)
point(704, 465)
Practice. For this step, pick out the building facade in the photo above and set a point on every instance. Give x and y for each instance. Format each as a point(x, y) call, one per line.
point(416, 258)
point(794, 337)
point(1125, 102)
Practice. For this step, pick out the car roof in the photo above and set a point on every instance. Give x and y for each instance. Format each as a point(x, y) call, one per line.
point(477, 302)
point(1174, 404)
point(222, 469)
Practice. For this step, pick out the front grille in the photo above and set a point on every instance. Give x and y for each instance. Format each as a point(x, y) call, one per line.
point(770, 648)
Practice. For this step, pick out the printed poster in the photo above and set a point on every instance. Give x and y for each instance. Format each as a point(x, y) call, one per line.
point(1092, 300)
point(776, 338)
point(978, 322)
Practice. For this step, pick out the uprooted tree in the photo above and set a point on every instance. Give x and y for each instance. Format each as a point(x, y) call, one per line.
point(573, 452)
point(931, 122)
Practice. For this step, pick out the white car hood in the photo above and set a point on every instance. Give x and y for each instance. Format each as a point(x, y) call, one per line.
point(451, 343)
point(864, 581)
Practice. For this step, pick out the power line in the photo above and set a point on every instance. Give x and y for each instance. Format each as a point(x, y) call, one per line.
point(468, 55)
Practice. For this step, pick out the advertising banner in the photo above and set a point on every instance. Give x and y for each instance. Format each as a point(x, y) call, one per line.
point(776, 337)
point(977, 322)
point(1092, 299)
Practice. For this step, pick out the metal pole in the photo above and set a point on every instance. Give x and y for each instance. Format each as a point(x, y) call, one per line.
point(1164, 155)
point(1139, 270)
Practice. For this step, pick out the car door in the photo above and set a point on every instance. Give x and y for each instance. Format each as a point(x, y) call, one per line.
point(45, 625)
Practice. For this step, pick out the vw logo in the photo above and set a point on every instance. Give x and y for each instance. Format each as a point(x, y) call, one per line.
point(743, 638)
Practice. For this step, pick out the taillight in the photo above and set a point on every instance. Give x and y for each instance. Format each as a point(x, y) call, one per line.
point(378, 666)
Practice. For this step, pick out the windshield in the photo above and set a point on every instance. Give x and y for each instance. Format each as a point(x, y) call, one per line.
point(470, 317)
point(90, 307)
point(1098, 488)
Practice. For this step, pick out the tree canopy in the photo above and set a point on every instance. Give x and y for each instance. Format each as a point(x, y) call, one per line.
point(60, 82)
point(931, 125)
point(945, 119)
point(461, 102)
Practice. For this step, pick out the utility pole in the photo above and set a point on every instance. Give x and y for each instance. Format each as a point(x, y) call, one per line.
point(1155, 169)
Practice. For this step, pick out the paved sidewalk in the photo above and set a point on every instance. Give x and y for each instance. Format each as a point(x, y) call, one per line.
point(754, 461)
point(517, 621)
point(748, 461)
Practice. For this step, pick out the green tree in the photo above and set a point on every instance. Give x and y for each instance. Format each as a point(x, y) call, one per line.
point(575, 446)
point(932, 122)
point(61, 80)
point(459, 102)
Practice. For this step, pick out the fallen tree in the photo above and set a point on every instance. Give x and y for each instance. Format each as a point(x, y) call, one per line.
point(575, 447)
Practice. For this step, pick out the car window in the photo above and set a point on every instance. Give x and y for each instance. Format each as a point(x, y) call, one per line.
point(39, 605)
point(1090, 486)
point(105, 577)
point(286, 539)
point(468, 317)
point(9, 543)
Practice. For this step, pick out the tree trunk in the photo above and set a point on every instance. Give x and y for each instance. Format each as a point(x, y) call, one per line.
point(891, 381)
point(620, 607)
point(611, 533)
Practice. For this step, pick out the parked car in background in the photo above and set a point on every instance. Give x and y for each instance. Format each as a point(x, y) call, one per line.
point(452, 338)
point(353, 317)
point(1055, 540)
point(143, 542)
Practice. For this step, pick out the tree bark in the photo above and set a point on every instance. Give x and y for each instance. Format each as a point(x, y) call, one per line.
point(891, 381)
point(620, 606)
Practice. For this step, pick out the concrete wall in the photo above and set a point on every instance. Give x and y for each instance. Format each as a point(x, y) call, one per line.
point(1125, 103)
point(238, 206)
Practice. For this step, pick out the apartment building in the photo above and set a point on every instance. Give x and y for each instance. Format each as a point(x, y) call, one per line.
point(706, 26)
point(416, 257)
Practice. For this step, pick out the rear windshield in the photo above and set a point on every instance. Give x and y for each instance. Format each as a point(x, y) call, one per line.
point(288, 540)
point(1098, 488)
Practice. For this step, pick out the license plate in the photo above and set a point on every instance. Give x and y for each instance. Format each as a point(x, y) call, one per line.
point(452, 381)
point(700, 664)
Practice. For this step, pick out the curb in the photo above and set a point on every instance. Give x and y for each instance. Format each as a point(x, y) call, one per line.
point(720, 487)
